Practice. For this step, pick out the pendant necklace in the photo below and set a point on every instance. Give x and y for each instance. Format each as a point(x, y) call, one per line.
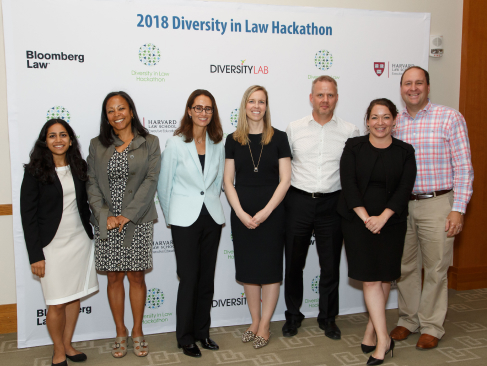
point(256, 168)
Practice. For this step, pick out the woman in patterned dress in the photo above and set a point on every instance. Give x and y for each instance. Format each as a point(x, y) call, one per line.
point(123, 168)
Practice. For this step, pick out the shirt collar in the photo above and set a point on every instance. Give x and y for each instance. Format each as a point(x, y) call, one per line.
point(424, 110)
point(333, 119)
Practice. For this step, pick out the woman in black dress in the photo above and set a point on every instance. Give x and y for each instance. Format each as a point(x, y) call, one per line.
point(258, 157)
point(377, 174)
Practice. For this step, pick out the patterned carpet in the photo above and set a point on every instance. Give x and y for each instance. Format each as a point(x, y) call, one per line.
point(465, 343)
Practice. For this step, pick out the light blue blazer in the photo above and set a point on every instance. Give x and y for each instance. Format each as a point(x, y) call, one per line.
point(183, 187)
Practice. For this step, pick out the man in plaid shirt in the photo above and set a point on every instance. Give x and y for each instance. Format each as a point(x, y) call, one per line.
point(438, 202)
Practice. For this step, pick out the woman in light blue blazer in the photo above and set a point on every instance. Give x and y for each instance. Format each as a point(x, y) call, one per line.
point(189, 190)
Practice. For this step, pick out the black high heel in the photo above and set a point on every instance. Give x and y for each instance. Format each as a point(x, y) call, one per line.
point(367, 349)
point(376, 361)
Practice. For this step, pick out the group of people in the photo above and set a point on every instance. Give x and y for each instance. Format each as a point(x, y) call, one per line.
point(396, 196)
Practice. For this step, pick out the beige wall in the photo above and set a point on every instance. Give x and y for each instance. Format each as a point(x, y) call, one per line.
point(446, 19)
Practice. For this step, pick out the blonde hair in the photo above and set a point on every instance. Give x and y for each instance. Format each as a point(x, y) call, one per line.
point(241, 135)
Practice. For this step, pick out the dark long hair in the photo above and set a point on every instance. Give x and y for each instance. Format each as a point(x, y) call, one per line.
point(105, 136)
point(214, 128)
point(41, 164)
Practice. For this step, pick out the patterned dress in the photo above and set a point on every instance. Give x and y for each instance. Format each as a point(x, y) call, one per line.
point(110, 254)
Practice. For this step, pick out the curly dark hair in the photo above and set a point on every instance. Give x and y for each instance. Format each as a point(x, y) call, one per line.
point(105, 136)
point(41, 164)
point(214, 128)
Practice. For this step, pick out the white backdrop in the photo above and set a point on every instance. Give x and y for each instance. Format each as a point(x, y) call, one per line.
point(64, 56)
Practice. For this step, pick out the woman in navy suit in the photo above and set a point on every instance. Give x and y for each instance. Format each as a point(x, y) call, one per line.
point(55, 218)
point(189, 190)
point(377, 174)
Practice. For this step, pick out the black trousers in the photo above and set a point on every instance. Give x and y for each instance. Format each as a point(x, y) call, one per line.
point(196, 249)
point(303, 215)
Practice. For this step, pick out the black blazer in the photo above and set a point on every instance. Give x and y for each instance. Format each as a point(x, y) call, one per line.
point(41, 209)
point(356, 166)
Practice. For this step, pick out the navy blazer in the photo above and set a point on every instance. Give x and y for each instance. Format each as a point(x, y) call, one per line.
point(356, 165)
point(41, 209)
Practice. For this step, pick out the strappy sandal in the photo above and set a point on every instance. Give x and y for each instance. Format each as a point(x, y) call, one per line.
point(248, 336)
point(140, 346)
point(120, 345)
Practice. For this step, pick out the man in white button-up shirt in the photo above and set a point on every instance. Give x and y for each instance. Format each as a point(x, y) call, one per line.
point(317, 143)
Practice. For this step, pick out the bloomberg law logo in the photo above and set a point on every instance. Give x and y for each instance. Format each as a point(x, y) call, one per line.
point(239, 69)
point(323, 60)
point(34, 55)
point(236, 301)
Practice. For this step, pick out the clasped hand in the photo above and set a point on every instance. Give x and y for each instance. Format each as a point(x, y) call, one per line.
point(253, 222)
point(114, 222)
point(375, 224)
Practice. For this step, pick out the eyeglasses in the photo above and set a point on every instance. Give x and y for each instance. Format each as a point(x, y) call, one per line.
point(200, 108)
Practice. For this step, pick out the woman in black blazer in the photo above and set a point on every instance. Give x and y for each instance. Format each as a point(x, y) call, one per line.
point(377, 175)
point(55, 218)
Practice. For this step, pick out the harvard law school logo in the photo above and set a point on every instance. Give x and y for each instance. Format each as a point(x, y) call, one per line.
point(379, 68)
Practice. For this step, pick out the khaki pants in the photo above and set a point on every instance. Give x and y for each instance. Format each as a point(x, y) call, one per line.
point(426, 246)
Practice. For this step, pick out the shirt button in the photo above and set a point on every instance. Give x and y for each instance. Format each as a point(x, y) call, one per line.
point(131, 156)
point(202, 193)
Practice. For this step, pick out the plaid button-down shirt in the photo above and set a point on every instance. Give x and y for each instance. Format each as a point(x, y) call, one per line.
point(439, 136)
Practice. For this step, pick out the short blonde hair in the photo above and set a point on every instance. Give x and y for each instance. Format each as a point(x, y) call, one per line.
point(324, 78)
point(241, 135)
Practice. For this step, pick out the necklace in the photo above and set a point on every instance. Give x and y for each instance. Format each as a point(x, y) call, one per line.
point(256, 168)
point(199, 142)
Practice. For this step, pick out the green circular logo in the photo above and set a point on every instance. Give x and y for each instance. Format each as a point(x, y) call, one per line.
point(323, 60)
point(149, 54)
point(58, 112)
point(315, 284)
point(234, 117)
point(155, 298)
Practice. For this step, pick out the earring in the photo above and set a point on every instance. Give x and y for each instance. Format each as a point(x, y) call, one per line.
point(190, 117)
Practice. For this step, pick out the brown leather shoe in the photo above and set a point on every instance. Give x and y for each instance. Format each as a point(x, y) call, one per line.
point(427, 341)
point(400, 333)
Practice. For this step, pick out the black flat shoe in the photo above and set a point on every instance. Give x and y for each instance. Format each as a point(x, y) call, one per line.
point(331, 329)
point(77, 358)
point(367, 349)
point(377, 361)
point(209, 343)
point(190, 350)
point(290, 328)
point(64, 363)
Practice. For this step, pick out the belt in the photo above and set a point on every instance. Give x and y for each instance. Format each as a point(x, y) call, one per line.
point(314, 195)
point(424, 196)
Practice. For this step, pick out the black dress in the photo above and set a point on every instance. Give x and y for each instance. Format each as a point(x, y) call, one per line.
point(258, 252)
point(374, 257)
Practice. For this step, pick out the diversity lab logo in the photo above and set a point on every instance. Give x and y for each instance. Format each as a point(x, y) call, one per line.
point(58, 112)
point(239, 69)
point(379, 68)
point(315, 284)
point(323, 60)
point(236, 301)
point(155, 298)
point(149, 54)
point(234, 117)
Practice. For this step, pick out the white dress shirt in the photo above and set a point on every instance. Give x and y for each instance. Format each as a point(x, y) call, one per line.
point(317, 151)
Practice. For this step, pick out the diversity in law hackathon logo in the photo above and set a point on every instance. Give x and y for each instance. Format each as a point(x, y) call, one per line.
point(234, 117)
point(155, 298)
point(379, 68)
point(149, 54)
point(323, 60)
point(315, 284)
point(58, 112)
